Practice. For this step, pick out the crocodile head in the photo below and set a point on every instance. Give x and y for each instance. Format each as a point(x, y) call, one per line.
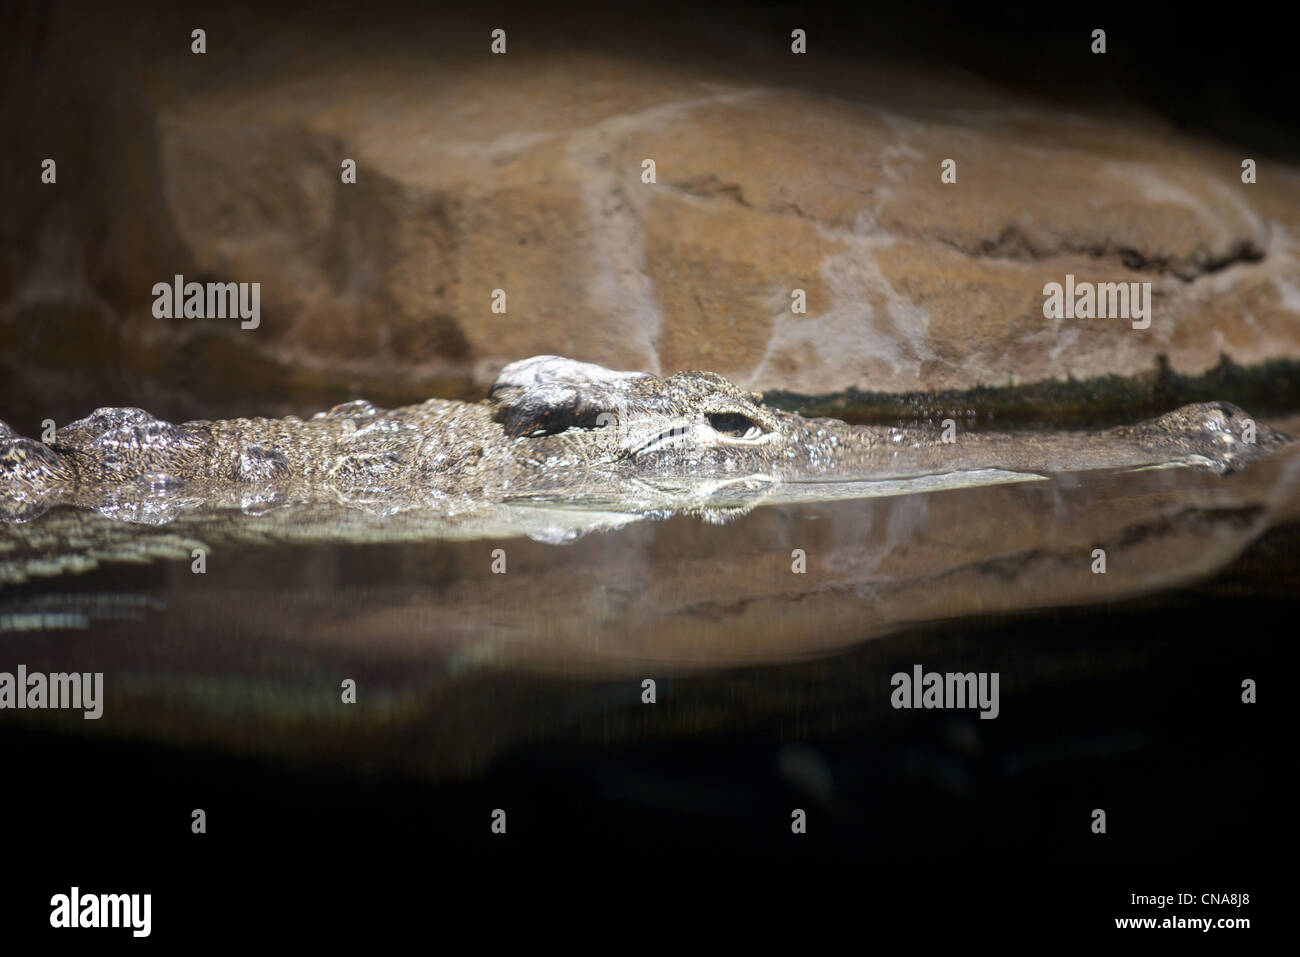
point(696, 429)
point(688, 425)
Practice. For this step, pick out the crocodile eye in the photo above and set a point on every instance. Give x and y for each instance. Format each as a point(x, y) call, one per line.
point(734, 424)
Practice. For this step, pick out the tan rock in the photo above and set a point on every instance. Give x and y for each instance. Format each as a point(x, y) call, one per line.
point(524, 173)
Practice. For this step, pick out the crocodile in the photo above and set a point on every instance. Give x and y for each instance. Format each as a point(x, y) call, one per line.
point(551, 425)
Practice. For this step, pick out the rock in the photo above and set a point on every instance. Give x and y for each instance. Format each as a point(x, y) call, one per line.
point(523, 173)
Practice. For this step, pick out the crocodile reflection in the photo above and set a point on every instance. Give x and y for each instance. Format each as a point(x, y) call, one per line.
point(553, 426)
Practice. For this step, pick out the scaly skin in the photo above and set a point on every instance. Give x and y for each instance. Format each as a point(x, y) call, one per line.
point(552, 424)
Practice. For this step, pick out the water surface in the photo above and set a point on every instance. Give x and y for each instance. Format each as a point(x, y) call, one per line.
point(434, 614)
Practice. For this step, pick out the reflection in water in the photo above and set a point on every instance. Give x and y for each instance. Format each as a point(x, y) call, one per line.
point(439, 629)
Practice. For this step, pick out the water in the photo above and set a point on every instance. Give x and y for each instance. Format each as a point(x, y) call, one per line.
point(525, 693)
point(424, 609)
